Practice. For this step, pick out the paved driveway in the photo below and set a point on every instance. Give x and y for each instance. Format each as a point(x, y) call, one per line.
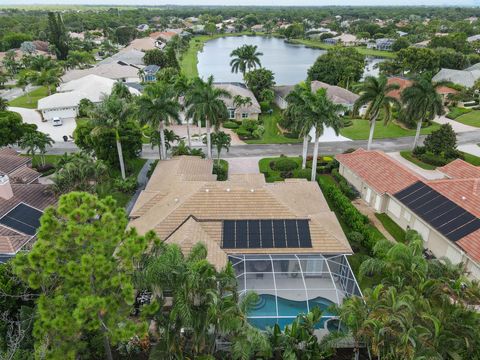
point(31, 116)
point(458, 127)
point(243, 165)
point(473, 149)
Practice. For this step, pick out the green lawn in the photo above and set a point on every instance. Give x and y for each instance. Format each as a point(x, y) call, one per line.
point(272, 134)
point(361, 49)
point(472, 159)
point(472, 118)
point(361, 129)
point(408, 155)
point(396, 231)
point(30, 100)
point(189, 61)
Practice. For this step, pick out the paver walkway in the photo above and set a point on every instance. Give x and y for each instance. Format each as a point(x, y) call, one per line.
point(427, 174)
point(243, 165)
point(368, 211)
point(458, 127)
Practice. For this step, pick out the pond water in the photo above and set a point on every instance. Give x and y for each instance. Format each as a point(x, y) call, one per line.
point(289, 62)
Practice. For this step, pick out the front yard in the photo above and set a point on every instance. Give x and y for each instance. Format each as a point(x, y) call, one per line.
point(360, 129)
point(30, 100)
point(472, 159)
point(472, 118)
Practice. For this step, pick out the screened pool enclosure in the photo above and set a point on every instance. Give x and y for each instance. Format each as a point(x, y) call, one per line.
point(292, 284)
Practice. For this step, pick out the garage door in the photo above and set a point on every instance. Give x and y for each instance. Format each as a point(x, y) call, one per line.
point(60, 113)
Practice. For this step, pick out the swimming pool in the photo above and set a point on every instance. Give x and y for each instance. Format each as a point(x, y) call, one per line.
point(264, 313)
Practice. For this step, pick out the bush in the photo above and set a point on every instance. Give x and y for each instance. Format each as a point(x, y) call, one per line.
point(127, 186)
point(220, 171)
point(284, 164)
point(347, 123)
point(456, 112)
point(286, 174)
point(265, 106)
point(46, 169)
point(442, 140)
point(151, 169)
point(291, 135)
point(230, 125)
point(344, 186)
point(249, 124)
point(302, 174)
point(418, 151)
point(432, 159)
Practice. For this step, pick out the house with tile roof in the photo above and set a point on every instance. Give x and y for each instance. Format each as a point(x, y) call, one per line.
point(22, 201)
point(247, 111)
point(282, 238)
point(446, 212)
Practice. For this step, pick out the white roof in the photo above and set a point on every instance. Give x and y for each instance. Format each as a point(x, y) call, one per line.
point(461, 77)
point(90, 87)
point(127, 55)
point(113, 71)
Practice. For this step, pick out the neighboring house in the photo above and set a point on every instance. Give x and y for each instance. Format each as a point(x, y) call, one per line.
point(257, 28)
point(464, 78)
point(197, 28)
point(116, 71)
point(473, 38)
point(337, 94)
point(21, 204)
point(445, 212)
point(150, 73)
point(281, 238)
point(344, 39)
point(248, 111)
point(129, 56)
point(143, 44)
point(64, 104)
point(403, 83)
point(143, 27)
point(381, 44)
point(164, 36)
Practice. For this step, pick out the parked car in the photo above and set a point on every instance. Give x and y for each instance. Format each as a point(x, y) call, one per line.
point(57, 121)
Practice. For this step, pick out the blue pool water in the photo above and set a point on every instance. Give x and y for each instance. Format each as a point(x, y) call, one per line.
point(264, 313)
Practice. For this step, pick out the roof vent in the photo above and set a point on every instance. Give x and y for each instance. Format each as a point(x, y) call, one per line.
point(176, 199)
point(464, 198)
point(228, 189)
point(207, 190)
point(252, 190)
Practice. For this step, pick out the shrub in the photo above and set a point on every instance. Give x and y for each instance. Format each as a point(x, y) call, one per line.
point(286, 174)
point(151, 169)
point(419, 150)
point(230, 125)
point(243, 133)
point(284, 164)
point(347, 123)
point(433, 159)
point(291, 135)
point(249, 124)
point(302, 174)
point(442, 140)
point(344, 186)
point(456, 112)
point(258, 132)
point(265, 106)
point(221, 171)
point(127, 186)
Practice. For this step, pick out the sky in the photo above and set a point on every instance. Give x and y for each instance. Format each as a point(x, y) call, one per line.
point(252, 2)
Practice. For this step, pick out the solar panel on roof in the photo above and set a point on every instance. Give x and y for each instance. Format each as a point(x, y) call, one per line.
point(255, 234)
point(22, 218)
point(444, 215)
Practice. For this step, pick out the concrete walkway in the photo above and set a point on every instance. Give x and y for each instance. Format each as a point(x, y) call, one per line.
point(142, 182)
point(245, 165)
point(427, 174)
point(458, 127)
point(473, 149)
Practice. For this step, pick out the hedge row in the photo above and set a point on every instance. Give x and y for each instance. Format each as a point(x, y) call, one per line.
point(344, 186)
point(349, 214)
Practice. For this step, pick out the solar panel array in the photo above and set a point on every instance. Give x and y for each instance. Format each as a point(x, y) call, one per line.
point(23, 219)
point(258, 234)
point(442, 214)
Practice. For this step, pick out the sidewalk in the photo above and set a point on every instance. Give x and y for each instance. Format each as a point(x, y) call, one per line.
point(473, 149)
point(458, 127)
point(427, 174)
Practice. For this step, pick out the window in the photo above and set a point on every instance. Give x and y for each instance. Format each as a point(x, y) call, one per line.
point(244, 115)
point(231, 113)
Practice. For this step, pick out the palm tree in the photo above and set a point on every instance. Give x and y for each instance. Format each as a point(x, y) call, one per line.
point(204, 102)
point(156, 107)
point(245, 58)
point(48, 78)
point(181, 85)
point(121, 91)
point(422, 102)
point(35, 141)
point(141, 75)
point(374, 93)
point(239, 101)
point(221, 140)
point(23, 80)
point(111, 113)
point(322, 112)
point(297, 111)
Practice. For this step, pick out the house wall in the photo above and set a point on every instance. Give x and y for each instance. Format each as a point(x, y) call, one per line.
point(439, 245)
point(280, 102)
point(62, 113)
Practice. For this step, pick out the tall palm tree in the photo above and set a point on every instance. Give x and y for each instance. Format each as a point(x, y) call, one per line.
point(421, 102)
point(156, 107)
point(181, 84)
point(48, 78)
point(322, 112)
point(35, 141)
point(111, 113)
point(121, 91)
point(297, 111)
point(374, 93)
point(205, 102)
point(245, 58)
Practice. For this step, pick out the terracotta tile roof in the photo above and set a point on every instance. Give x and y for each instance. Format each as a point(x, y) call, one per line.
point(471, 245)
point(380, 171)
point(459, 169)
point(444, 90)
point(402, 82)
point(188, 209)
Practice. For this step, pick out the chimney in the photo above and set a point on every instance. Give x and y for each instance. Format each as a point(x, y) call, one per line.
point(6, 191)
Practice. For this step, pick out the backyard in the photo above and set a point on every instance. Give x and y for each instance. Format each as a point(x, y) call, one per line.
point(360, 129)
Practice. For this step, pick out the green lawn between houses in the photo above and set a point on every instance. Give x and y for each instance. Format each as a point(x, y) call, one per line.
point(30, 100)
point(361, 129)
point(396, 231)
point(472, 118)
point(472, 159)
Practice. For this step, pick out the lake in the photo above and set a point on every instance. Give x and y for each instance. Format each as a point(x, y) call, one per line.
point(289, 62)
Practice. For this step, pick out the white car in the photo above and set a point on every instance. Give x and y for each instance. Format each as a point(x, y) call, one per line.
point(57, 121)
